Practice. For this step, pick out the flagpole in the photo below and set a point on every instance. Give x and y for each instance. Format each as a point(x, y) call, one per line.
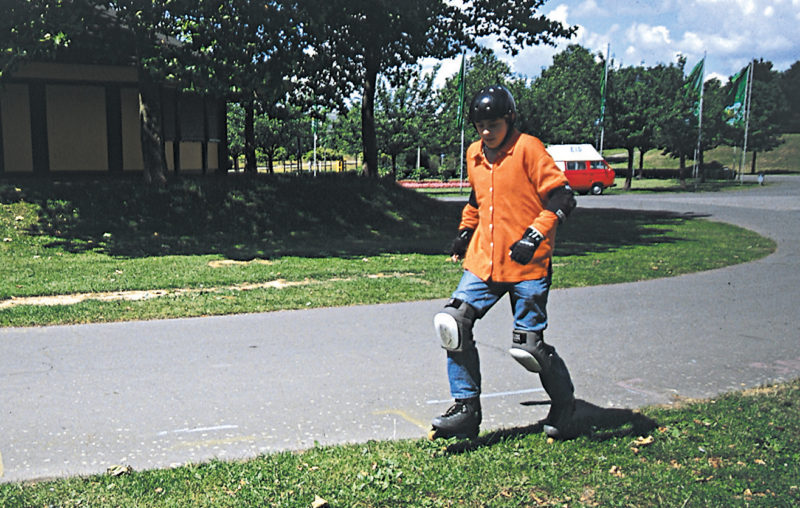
point(461, 163)
point(314, 130)
point(461, 88)
point(749, 89)
point(603, 99)
point(699, 122)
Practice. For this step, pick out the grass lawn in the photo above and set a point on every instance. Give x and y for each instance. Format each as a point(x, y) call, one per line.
point(109, 250)
point(784, 158)
point(740, 449)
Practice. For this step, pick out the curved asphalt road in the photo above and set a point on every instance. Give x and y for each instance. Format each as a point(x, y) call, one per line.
point(77, 399)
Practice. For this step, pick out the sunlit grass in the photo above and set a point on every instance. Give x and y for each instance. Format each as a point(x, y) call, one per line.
point(375, 243)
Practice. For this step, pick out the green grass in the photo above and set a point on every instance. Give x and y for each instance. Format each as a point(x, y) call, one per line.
point(233, 245)
point(739, 449)
point(784, 158)
point(674, 185)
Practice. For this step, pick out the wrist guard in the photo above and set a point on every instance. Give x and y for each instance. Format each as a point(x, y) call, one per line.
point(523, 249)
point(561, 202)
point(461, 242)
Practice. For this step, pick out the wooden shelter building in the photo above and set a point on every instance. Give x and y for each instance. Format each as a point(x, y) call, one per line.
point(73, 118)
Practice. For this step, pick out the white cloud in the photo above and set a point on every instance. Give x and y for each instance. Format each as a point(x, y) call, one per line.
point(692, 43)
point(649, 36)
point(588, 8)
point(559, 14)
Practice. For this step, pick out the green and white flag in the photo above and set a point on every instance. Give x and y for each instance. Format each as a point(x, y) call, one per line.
point(603, 93)
point(737, 98)
point(694, 85)
point(460, 117)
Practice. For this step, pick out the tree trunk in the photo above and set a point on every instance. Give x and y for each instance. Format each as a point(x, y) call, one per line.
point(641, 163)
point(155, 166)
point(682, 170)
point(249, 137)
point(753, 164)
point(630, 170)
point(299, 156)
point(701, 173)
point(369, 139)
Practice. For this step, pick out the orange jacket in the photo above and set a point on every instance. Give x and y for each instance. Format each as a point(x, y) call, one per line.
point(511, 195)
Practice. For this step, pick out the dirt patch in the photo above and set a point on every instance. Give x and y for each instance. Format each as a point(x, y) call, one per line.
point(138, 295)
point(232, 262)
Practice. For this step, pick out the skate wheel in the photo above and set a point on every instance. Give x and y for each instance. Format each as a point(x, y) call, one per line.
point(433, 434)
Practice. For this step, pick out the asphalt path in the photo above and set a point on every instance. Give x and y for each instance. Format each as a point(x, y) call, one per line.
point(78, 399)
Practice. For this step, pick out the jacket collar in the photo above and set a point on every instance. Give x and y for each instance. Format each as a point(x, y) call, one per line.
point(506, 150)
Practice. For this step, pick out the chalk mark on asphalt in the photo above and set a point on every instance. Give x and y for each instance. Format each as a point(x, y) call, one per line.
point(198, 429)
point(405, 416)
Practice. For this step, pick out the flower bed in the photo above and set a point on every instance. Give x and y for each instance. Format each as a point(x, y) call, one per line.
point(432, 184)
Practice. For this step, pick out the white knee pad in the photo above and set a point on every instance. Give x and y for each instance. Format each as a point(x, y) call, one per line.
point(522, 349)
point(454, 325)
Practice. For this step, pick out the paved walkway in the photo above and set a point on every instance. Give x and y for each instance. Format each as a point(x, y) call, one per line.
point(77, 399)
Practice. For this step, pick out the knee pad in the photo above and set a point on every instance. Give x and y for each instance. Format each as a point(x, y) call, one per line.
point(454, 325)
point(526, 348)
point(530, 350)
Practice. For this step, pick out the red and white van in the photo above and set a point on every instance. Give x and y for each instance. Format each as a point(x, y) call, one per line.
point(586, 170)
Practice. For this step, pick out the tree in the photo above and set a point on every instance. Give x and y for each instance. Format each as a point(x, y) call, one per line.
point(357, 40)
point(677, 118)
point(790, 84)
point(567, 97)
point(244, 50)
point(271, 132)
point(235, 119)
point(628, 125)
point(713, 119)
point(403, 112)
point(346, 136)
point(768, 107)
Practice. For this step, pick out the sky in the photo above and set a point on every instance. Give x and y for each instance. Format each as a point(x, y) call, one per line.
point(729, 32)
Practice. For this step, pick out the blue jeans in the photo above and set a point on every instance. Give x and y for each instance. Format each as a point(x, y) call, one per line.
point(528, 303)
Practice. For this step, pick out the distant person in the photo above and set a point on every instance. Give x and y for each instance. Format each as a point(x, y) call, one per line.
point(506, 238)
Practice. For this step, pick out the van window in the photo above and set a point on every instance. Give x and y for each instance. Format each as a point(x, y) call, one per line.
point(576, 165)
point(597, 165)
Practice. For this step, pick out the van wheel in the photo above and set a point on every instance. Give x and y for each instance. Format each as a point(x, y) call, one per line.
point(597, 189)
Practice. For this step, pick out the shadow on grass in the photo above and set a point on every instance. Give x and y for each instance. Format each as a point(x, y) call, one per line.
point(594, 422)
point(594, 230)
point(243, 217)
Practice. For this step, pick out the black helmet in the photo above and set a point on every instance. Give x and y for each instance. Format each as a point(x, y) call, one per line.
point(493, 102)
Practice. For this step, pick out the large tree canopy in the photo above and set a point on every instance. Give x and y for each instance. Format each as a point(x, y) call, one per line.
point(359, 39)
point(567, 97)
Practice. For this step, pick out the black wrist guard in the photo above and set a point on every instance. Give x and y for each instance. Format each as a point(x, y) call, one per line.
point(461, 242)
point(562, 202)
point(523, 249)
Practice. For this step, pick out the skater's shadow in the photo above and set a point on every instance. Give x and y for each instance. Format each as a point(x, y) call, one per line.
point(594, 422)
